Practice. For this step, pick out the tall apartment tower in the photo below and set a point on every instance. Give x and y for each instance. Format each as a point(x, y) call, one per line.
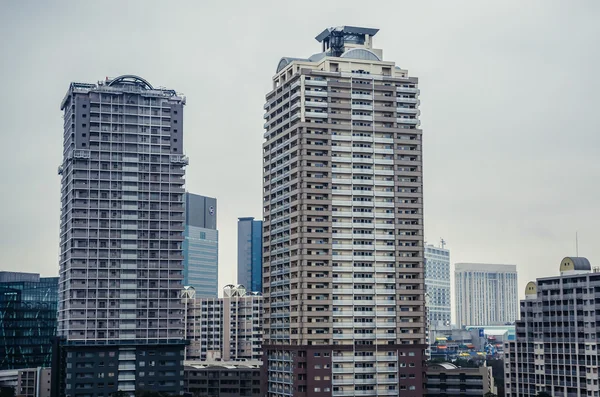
point(485, 294)
point(343, 224)
point(121, 235)
point(437, 286)
point(250, 253)
point(556, 347)
point(201, 245)
point(224, 329)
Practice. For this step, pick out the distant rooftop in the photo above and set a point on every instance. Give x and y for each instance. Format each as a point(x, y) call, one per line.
point(223, 364)
point(10, 277)
point(346, 31)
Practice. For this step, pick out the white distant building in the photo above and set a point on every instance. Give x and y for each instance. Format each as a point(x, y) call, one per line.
point(437, 286)
point(485, 294)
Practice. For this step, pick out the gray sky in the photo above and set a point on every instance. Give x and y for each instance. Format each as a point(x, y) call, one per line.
point(509, 95)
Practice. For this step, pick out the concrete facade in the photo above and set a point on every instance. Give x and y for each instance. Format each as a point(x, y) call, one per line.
point(121, 235)
point(343, 224)
point(250, 253)
point(486, 294)
point(448, 380)
point(556, 347)
point(34, 382)
point(201, 245)
point(224, 329)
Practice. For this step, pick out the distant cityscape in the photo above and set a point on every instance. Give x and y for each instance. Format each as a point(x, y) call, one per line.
point(336, 293)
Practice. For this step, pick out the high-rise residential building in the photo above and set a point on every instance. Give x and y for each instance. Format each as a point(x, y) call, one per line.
point(224, 329)
point(343, 224)
point(28, 305)
point(437, 286)
point(201, 245)
point(486, 294)
point(120, 318)
point(556, 347)
point(250, 253)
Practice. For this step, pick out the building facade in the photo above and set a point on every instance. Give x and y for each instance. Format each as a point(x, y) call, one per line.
point(28, 307)
point(343, 224)
point(437, 286)
point(556, 347)
point(250, 253)
point(224, 329)
point(224, 379)
point(485, 294)
point(201, 245)
point(34, 382)
point(121, 236)
point(448, 380)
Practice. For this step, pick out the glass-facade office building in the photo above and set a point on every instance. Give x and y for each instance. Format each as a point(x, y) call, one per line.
point(201, 245)
point(250, 253)
point(28, 305)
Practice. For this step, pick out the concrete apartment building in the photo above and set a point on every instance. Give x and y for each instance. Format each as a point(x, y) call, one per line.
point(343, 224)
point(486, 294)
point(120, 318)
point(448, 380)
point(437, 286)
point(224, 329)
point(556, 348)
point(201, 245)
point(250, 253)
point(34, 382)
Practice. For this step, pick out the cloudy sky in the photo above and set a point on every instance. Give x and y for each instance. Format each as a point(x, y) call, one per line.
point(509, 94)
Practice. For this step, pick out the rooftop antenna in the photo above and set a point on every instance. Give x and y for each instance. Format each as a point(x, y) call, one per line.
point(442, 242)
point(576, 244)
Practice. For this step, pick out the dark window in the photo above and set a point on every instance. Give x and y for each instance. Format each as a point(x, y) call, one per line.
point(84, 125)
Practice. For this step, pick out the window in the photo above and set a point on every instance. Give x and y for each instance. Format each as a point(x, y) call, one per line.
point(317, 389)
point(84, 125)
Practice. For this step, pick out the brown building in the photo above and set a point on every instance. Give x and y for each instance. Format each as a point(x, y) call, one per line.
point(343, 224)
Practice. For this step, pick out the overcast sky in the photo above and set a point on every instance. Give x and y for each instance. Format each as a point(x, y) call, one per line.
point(509, 109)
